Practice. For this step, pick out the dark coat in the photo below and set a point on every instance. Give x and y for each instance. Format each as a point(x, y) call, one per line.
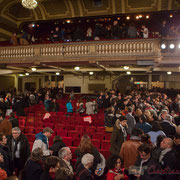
point(94, 152)
point(168, 129)
point(14, 122)
point(45, 176)
point(83, 174)
point(56, 147)
point(19, 108)
point(24, 147)
point(117, 138)
point(149, 167)
point(33, 170)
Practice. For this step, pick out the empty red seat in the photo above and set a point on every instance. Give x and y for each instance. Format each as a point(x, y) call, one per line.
point(100, 129)
point(38, 124)
point(51, 125)
point(70, 118)
point(69, 127)
point(90, 129)
point(59, 127)
point(38, 129)
point(51, 140)
point(104, 152)
point(47, 120)
point(107, 136)
point(96, 143)
point(22, 118)
point(73, 152)
point(29, 130)
point(67, 141)
point(30, 137)
point(76, 141)
point(22, 123)
point(99, 136)
point(62, 133)
point(79, 128)
point(73, 134)
point(105, 144)
point(30, 123)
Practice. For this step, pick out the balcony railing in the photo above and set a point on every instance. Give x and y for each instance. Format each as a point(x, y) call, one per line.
point(116, 48)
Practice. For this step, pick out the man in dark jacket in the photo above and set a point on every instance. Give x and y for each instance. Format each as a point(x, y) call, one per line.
point(19, 148)
point(13, 120)
point(51, 166)
point(145, 167)
point(83, 170)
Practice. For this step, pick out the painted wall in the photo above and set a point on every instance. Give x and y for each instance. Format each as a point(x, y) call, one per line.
point(7, 82)
point(83, 81)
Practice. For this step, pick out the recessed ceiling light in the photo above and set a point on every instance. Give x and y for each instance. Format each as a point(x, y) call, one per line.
point(33, 69)
point(169, 72)
point(27, 74)
point(127, 17)
point(57, 73)
point(147, 16)
point(163, 46)
point(21, 75)
point(77, 68)
point(171, 46)
point(128, 72)
point(91, 73)
point(126, 67)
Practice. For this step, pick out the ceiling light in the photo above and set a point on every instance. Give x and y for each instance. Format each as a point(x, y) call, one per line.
point(179, 46)
point(171, 46)
point(29, 4)
point(140, 16)
point(126, 67)
point(163, 46)
point(169, 72)
point(77, 68)
point(137, 17)
point(27, 74)
point(128, 72)
point(33, 69)
point(171, 16)
point(21, 75)
point(57, 73)
point(91, 73)
point(127, 17)
point(68, 21)
point(147, 16)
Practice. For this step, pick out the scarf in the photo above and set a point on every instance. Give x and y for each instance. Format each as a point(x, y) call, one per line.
point(14, 144)
point(124, 131)
point(163, 153)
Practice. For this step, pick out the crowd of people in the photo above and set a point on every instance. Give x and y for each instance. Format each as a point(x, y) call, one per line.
point(145, 137)
point(98, 31)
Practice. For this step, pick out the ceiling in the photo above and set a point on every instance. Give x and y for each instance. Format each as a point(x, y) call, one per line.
point(13, 14)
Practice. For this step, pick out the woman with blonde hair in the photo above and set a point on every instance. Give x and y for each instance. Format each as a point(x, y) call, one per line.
point(85, 146)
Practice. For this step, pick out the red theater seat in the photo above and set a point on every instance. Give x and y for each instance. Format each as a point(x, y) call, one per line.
point(76, 141)
point(30, 137)
point(100, 129)
point(73, 134)
point(29, 130)
point(105, 153)
point(62, 133)
point(38, 129)
point(105, 144)
point(96, 143)
point(99, 136)
point(67, 141)
point(51, 125)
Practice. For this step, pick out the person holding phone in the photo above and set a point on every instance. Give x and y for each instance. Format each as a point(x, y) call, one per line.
point(116, 170)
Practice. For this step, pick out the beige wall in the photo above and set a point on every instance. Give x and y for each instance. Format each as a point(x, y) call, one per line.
point(83, 81)
point(7, 82)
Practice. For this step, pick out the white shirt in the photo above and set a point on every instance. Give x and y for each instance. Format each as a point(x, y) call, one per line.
point(146, 35)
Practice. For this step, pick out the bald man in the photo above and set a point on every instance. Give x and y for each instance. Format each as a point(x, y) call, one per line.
point(168, 159)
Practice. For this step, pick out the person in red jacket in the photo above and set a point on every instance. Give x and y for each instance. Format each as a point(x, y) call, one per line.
point(116, 170)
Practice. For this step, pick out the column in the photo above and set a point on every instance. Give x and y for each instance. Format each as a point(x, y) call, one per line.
point(149, 81)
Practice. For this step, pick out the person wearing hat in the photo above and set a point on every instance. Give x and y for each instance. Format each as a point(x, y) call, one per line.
point(42, 141)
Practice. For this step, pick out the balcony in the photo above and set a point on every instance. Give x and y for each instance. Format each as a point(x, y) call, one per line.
point(117, 50)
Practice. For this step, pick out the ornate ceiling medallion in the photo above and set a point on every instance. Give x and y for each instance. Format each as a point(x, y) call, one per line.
point(29, 4)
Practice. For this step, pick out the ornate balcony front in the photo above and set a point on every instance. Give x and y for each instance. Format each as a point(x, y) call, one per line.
point(123, 50)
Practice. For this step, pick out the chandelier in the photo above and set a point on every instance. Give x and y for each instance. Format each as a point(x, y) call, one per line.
point(29, 4)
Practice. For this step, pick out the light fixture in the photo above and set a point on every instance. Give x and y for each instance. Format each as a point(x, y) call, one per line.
point(147, 16)
point(169, 72)
point(91, 73)
point(77, 68)
point(29, 4)
point(137, 17)
point(128, 72)
point(163, 46)
point(126, 67)
point(27, 74)
point(21, 75)
point(171, 46)
point(127, 17)
point(171, 16)
point(33, 69)
point(68, 21)
point(140, 16)
point(57, 73)
point(118, 18)
point(179, 46)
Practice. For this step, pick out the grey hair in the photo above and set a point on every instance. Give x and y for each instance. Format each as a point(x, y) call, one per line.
point(63, 152)
point(168, 118)
point(16, 129)
point(87, 158)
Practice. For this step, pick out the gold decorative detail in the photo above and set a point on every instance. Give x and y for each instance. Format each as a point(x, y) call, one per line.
point(29, 4)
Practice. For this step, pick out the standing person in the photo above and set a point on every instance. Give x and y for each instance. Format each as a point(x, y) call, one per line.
point(47, 103)
point(19, 148)
point(42, 141)
point(145, 31)
point(14, 121)
point(164, 29)
point(85, 146)
point(5, 125)
point(51, 166)
point(118, 135)
point(34, 166)
point(69, 107)
point(129, 148)
point(65, 156)
point(89, 107)
point(19, 106)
